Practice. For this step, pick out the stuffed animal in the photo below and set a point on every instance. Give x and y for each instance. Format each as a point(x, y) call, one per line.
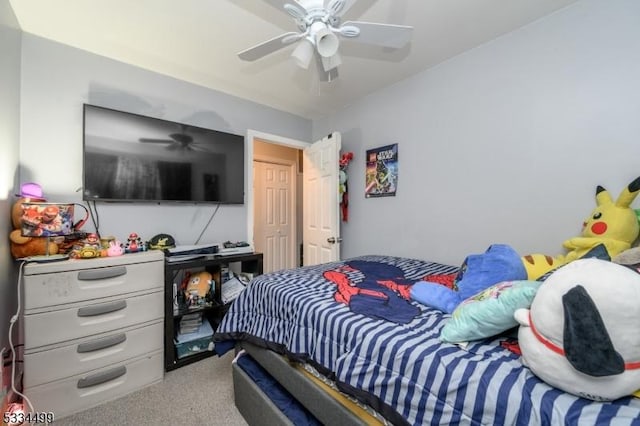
point(343, 186)
point(27, 246)
point(478, 272)
point(609, 230)
point(196, 287)
point(581, 332)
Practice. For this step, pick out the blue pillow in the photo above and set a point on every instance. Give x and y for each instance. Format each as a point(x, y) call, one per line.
point(489, 312)
point(478, 271)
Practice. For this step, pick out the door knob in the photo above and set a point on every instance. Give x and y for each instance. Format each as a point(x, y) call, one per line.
point(334, 240)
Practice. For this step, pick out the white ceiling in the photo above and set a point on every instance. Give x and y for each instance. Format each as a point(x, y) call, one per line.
point(198, 41)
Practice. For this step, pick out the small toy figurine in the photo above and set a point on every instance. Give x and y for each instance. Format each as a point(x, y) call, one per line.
point(115, 248)
point(92, 240)
point(88, 252)
point(134, 244)
point(87, 248)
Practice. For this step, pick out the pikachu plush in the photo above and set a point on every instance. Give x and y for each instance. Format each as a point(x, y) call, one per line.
point(609, 230)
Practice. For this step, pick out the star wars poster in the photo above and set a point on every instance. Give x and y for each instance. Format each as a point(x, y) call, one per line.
point(381, 177)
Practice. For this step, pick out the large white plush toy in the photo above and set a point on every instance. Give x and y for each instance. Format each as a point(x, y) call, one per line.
point(582, 333)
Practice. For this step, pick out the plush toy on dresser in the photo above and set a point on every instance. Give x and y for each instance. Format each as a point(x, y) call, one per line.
point(27, 246)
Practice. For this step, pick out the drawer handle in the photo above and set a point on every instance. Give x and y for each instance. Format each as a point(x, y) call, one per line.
point(99, 378)
point(105, 308)
point(105, 342)
point(102, 273)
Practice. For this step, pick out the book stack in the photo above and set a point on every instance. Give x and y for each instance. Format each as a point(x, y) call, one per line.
point(190, 323)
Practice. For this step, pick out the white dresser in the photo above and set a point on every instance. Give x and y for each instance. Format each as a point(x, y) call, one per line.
point(93, 330)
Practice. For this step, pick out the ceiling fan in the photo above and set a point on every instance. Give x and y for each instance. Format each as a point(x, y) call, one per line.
point(320, 29)
point(178, 142)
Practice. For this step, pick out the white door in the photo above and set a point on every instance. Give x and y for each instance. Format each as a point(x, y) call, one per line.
point(274, 230)
point(321, 215)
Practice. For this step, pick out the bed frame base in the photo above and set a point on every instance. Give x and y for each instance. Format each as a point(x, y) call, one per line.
point(253, 404)
point(257, 408)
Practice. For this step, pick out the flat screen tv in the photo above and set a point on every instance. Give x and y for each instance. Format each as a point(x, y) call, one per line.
point(131, 157)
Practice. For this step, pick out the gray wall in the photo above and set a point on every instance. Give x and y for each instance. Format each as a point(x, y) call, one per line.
point(10, 35)
point(58, 79)
point(504, 143)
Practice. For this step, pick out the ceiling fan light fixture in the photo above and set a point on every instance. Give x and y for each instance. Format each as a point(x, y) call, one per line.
point(327, 42)
point(332, 62)
point(303, 53)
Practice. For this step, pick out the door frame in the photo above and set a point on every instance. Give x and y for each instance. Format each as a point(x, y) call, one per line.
point(252, 135)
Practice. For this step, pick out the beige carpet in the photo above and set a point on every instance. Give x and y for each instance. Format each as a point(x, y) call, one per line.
point(197, 394)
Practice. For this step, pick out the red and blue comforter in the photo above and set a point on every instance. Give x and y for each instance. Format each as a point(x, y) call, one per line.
point(354, 321)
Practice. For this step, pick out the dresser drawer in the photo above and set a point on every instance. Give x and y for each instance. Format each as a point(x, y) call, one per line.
point(77, 393)
point(102, 280)
point(91, 353)
point(86, 319)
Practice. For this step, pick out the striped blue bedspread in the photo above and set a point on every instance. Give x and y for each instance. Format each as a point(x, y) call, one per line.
point(334, 316)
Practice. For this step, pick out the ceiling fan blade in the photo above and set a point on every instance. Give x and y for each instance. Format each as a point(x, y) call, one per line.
point(196, 147)
point(269, 46)
point(386, 35)
point(149, 140)
point(282, 5)
point(292, 7)
point(181, 138)
point(339, 7)
point(296, 10)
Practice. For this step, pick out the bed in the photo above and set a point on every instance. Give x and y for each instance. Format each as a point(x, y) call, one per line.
point(353, 322)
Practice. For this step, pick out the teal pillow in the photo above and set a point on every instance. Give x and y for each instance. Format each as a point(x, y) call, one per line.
point(489, 312)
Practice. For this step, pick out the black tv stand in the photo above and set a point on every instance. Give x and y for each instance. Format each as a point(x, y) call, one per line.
point(213, 312)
